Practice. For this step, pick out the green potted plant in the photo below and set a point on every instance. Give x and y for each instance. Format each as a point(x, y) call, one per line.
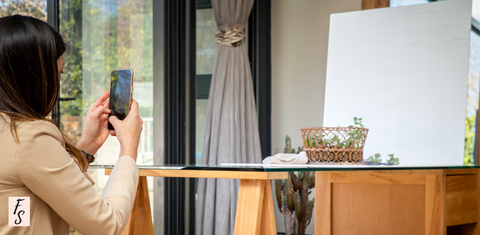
point(292, 197)
point(374, 160)
point(393, 160)
point(335, 144)
point(377, 160)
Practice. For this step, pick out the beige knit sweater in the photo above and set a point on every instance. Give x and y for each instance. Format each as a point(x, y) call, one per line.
point(39, 167)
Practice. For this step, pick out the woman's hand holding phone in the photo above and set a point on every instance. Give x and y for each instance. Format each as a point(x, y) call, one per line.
point(95, 130)
point(128, 131)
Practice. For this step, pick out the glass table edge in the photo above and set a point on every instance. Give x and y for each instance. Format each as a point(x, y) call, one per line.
point(288, 168)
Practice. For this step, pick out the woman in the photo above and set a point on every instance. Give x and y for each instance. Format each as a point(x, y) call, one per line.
point(37, 160)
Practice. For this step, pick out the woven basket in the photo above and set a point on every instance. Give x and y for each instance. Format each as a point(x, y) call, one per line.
point(334, 144)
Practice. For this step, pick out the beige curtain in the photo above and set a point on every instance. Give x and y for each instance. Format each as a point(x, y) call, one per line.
point(231, 131)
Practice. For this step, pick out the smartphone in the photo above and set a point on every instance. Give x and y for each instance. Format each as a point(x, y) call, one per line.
point(121, 92)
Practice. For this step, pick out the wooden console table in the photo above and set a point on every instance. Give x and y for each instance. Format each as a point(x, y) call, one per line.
point(348, 200)
point(441, 201)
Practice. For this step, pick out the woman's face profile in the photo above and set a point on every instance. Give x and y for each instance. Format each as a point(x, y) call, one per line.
point(60, 65)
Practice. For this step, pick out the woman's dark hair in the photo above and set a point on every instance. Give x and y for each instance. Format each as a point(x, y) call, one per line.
point(29, 76)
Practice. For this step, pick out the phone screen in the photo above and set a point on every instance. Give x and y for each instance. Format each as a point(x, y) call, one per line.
point(120, 90)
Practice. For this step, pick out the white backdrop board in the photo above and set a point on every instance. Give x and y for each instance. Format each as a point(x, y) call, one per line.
point(404, 71)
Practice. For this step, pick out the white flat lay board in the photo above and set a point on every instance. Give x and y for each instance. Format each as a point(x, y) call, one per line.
point(404, 71)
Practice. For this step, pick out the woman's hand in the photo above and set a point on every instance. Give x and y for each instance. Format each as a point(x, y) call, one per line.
point(95, 130)
point(128, 131)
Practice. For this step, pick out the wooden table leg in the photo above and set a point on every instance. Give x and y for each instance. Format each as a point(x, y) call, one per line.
point(140, 221)
point(434, 205)
point(323, 203)
point(268, 226)
point(255, 208)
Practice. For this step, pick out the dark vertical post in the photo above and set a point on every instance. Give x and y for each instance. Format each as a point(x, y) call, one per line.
point(52, 19)
point(52, 13)
point(191, 98)
point(259, 51)
point(174, 117)
point(179, 98)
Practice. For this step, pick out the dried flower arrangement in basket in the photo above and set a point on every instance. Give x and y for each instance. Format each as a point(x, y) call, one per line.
point(335, 144)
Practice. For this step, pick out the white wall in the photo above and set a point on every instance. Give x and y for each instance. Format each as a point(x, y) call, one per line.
point(299, 59)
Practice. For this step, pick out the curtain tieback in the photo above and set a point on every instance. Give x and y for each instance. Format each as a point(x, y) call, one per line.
point(232, 36)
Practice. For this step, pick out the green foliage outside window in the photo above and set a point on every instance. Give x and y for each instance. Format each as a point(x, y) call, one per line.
point(71, 80)
point(99, 39)
point(469, 140)
point(34, 8)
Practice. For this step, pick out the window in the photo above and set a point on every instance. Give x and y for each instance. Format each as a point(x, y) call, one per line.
point(471, 133)
point(102, 36)
point(34, 8)
point(206, 44)
point(472, 99)
point(397, 3)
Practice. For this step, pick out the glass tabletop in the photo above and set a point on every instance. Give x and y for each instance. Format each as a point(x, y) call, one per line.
point(287, 168)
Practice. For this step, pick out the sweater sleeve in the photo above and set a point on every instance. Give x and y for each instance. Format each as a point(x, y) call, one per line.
point(46, 168)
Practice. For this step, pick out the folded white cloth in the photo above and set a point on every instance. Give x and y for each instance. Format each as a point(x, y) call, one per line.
point(287, 158)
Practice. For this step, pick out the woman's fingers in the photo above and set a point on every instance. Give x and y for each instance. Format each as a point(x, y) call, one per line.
point(129, 131)
point(134, 107)
point(99, 111)
point(106, 104)
point(113, 120)
point(104, 117)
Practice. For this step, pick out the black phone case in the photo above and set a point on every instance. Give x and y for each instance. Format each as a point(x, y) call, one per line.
point(110, 126)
